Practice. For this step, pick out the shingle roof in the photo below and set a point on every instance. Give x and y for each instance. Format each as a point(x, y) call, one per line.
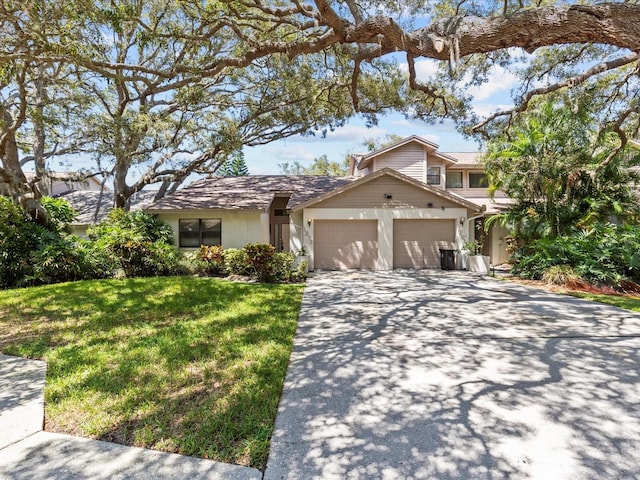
point(465, 158)
point(85, 202)
point(251, 192)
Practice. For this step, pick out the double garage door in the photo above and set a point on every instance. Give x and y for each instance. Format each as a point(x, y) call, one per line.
point(345, 244)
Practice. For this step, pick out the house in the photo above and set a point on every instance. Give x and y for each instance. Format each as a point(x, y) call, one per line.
point(397, 208)
point(93, 206)
point(58, 183)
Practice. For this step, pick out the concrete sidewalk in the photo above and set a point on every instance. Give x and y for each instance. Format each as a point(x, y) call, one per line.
point(447, 375)
point(26, 452)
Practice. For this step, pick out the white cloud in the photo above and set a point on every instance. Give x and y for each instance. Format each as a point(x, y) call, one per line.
point(425, 69)
point(500, 80)
point(487, 109)
point(291, 152)
point(348, 133)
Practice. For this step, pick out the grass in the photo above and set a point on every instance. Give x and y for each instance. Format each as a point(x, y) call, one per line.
point(178, 364)
point(620, 301)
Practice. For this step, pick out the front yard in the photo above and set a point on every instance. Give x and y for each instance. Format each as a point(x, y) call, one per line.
point(178, 364)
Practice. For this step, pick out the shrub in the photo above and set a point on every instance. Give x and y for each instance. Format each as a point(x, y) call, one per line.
point(604, 254)
point(68, 259)
point(210, 260)
point(560, 275)
point(140, 243)
point(260, 257)
point(236, 262)
point(19, 238)
point(282, 266)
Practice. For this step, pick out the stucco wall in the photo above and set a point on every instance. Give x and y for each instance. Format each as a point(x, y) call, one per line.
point(238, 227)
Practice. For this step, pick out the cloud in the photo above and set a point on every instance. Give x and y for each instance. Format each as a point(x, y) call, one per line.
point(425, 69)
point(348, 133)
point(490, 108)
point(500, 80)
point(291, 152)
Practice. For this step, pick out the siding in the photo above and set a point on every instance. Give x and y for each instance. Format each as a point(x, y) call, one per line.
point(408, 159)
point(371, 195)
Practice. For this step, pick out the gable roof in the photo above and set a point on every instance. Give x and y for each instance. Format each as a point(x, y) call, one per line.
point(363, 160)
point(466, 159)
point(400, 176)
point(250, 192)
point(91, 208)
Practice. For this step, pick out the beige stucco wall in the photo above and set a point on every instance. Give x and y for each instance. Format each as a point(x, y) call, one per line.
point(238, 227)
point(385, 217)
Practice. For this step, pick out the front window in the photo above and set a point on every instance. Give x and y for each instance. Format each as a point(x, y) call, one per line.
point(478, 180)
point(454, 180)
point(433, 175)
point(200, 231)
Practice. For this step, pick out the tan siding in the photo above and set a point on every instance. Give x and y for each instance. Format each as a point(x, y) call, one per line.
point(344, 244)
point(408, 159)
point(371, 195)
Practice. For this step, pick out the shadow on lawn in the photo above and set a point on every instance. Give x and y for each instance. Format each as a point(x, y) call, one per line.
point(188, 365)
point(415, 375)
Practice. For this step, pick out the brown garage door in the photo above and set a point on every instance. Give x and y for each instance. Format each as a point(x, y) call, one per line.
point(416, 243)
point(343, 244)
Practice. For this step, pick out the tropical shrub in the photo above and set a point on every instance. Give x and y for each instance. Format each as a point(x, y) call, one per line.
point(282, 266)
point(604, 254)
point(141, 244)
point(19, 238)
point(67, 259)
point(236, 261)
point(261, 260)
point(210, 260)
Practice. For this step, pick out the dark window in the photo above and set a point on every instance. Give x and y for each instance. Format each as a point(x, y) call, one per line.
point(478, 180)
point(454, 180)
point(280, 212)
point(195, 232)
point(433, 175)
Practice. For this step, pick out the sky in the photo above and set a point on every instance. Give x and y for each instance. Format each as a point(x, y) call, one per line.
point(494, 95)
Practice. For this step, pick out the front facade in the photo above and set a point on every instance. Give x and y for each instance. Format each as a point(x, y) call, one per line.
point(397, 209)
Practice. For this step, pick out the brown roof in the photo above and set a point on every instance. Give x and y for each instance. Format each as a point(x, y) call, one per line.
point(87, 202)
point(250, 192)
point(465, 159)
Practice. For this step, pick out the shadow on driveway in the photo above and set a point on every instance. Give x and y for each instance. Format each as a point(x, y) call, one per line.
point(454, 376)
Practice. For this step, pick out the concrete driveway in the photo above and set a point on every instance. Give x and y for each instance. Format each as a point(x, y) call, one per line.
point(452, 376)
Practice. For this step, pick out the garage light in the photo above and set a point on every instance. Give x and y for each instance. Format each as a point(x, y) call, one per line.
point(462, 220)
point(308, 221)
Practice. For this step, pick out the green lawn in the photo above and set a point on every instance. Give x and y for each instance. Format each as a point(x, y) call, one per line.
point(178, 364)
point(628, 303)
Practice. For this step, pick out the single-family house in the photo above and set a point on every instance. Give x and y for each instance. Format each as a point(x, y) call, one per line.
point(396, 209)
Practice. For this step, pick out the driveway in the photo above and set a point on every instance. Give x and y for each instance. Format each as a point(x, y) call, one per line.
point(452, 376)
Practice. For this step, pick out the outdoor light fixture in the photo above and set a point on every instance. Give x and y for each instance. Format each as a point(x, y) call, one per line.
point(430, 205)
point(462, 219)
point(308, 221)
point(442, 207)
point(388, 196)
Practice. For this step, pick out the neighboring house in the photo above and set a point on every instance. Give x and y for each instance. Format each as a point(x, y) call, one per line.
point(399, 206)
point(93, 206)
point(57, 183)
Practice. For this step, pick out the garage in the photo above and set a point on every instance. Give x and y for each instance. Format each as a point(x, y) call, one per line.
point(344, 244)
point(416, 243)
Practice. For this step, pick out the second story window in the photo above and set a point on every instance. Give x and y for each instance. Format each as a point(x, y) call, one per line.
point(454, 180)
point(478, 180)
point(433, 175)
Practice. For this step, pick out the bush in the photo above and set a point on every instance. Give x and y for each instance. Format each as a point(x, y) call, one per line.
point(210, 260)
point(260, 257)
point(282, 266)
point(604, 254)
point(68, 259)
point(140, 243)
point(236, 261)
point(19, 238)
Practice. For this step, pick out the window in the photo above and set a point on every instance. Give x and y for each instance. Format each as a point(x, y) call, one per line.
point(454, 180)
point(196, 232)
point(433, 175)
point(478, 180)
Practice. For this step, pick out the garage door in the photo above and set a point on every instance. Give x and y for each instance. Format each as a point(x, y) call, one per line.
point(416, 243)
point(343, 244)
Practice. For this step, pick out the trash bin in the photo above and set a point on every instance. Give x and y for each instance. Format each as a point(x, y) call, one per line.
point(447, 259)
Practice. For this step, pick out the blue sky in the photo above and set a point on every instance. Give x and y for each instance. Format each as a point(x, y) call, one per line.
point(496, 94)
